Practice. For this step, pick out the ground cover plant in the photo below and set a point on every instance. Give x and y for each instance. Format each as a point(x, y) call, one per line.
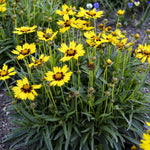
point(74, 84)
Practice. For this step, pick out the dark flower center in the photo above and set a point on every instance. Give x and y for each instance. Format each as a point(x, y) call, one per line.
point(58, 76)
point(47, 35)
point(71, 52)
point(67, 23)
point(25, 30)
point(3, 73)
point(26, 88)
point(25, 51)
point(91, 13)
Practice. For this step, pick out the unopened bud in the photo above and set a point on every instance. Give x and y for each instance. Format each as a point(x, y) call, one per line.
point(49, 43)
point(91, 89)
point(119, 24)
point(107, 93)
point(31, 15)
point(122, 78)
point(50, 19)
point(21, 12)
point(94, 58)
point(124, 32)
point(108, 61)
point(147, 31)
point(105, 20)
point(32, 105)
point(14, 16)
point(77, 93)
point(137, 36)
point(133, 148)
point(79, 71)
point(115, 79)
point(61, 122)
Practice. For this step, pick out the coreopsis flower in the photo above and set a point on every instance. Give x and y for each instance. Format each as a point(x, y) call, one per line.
point(93, 39)
point(59, 77)
point(42, 59)
point(2, 1)
point(118, 33)
point(47, 35)
point(24, 29)
point(73, 51)
point(5, 73)
point(145, 142)
point(120, 12)
point(66, 24)
point(82, 25)
point(148, 124)
point(136, 3)
point(25, 50)
point(66, 10)
point(3, 7)
point(24, 90)
point(89, 5)
point(120, 45)
point(143, 53)
point(88, 14)
point(110, 39)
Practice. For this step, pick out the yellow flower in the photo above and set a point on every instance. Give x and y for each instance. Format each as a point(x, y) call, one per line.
point(66, 10)
point(24, 90)
point(42, 59)
point(120, 12)
point(110, 39)
point(88, 14)
point(143, 52)
point(2, 1)
point(24, 29)
point(73, 51)
point(5, 73)
point(148, 124)
point(145, 145)
point(25, 50)
point(66, 24)
point(59, 76)
point(82, 25)
point(3, 7)
point(48, 35)
point(120, 45)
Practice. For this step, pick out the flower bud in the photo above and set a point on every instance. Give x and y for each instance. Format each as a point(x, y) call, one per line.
point(115, 79)
point(77, 93)
point(32, 105)
point(14, 4)
point(91, 89)
point(79, 71)
point(21, 12)
point(137, 36)
point(112, 101)
point(119, 24)
point(61, 122)
point(133, 148)
point(122, 78)
point(108, 61)
point(50, 43)
point(124, 32)
point(14, 16)
point(31, 15)
point(50, 19)
point(94, 58)
point(107, 93)
point(105, 20)
point(89, 96)
point(147, 31)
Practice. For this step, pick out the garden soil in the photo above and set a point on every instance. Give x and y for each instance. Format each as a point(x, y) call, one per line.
point(6, 125)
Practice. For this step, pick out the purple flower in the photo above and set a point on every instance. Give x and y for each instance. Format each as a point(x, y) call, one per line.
point(96, 5)
point(148, 2)
point(97, 10)
point(130, 5)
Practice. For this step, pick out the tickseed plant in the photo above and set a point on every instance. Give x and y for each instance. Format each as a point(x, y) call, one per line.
point(80, 87)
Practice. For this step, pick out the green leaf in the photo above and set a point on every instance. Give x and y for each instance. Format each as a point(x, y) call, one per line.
point(47, 139)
